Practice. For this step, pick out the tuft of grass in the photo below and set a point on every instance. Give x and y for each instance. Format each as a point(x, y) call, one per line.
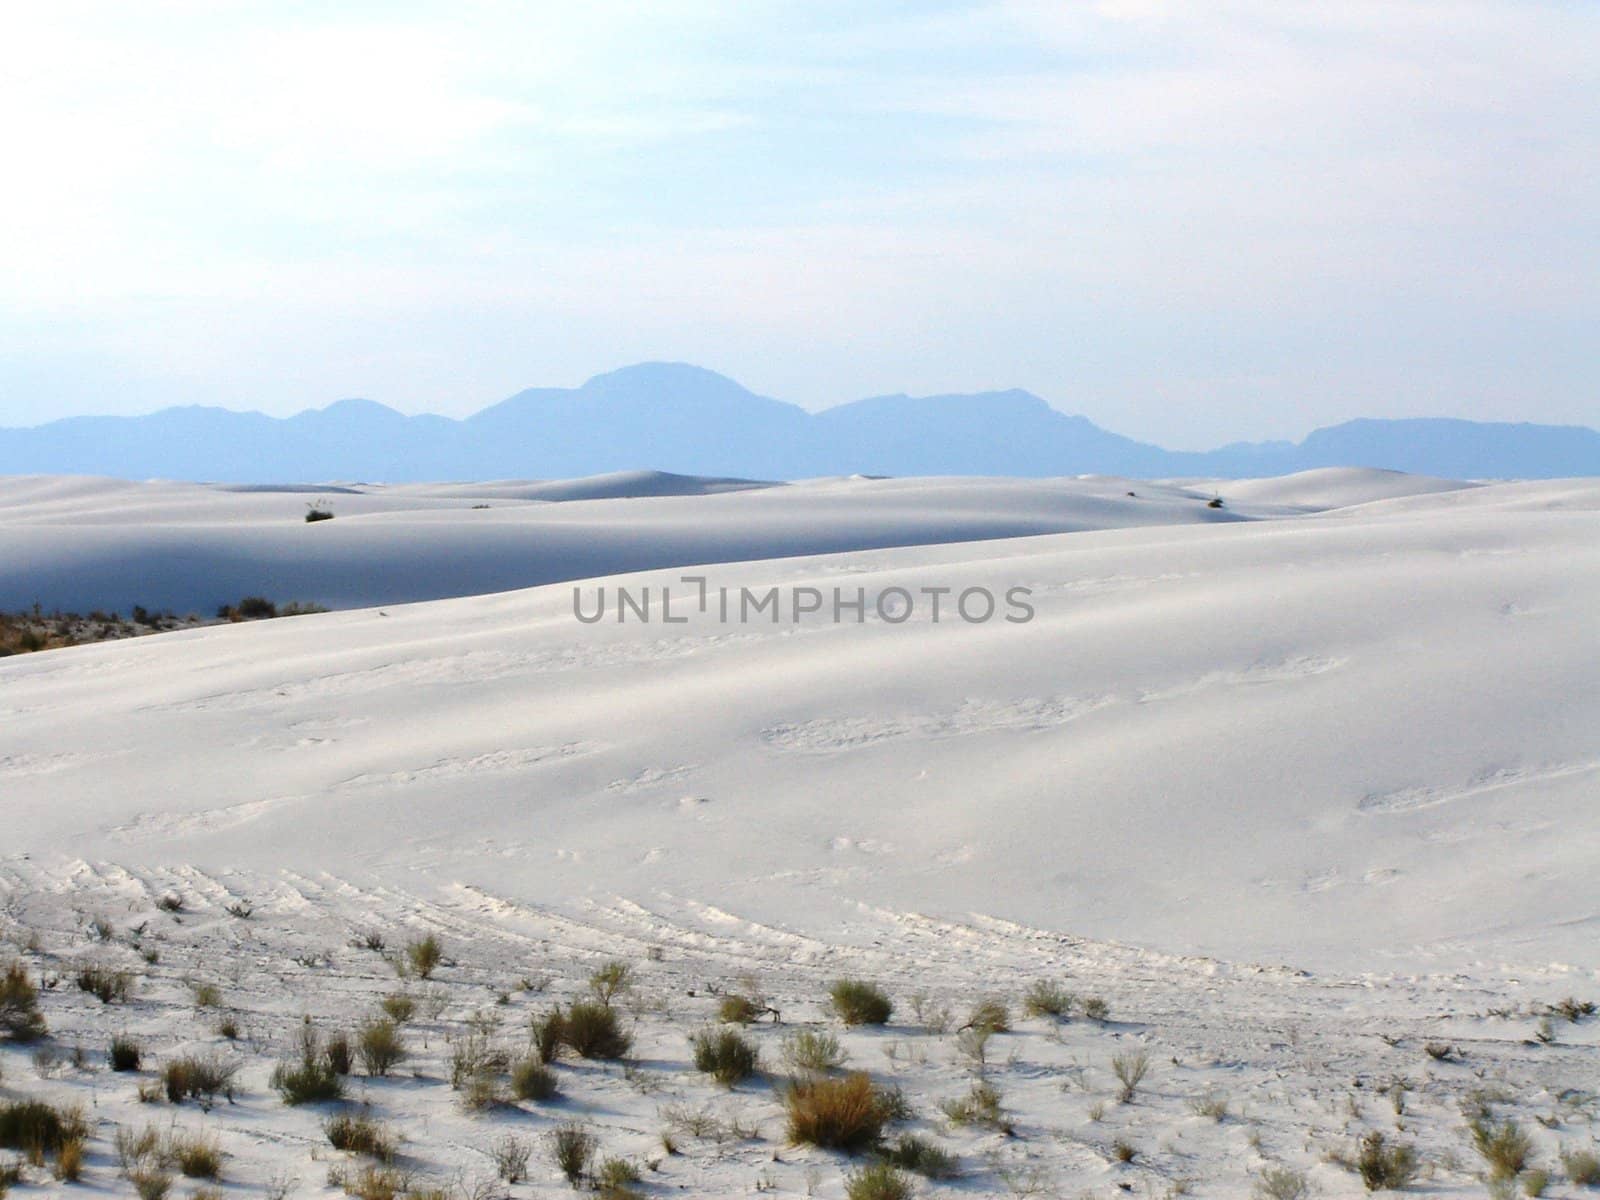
point(201, 1077)
point(399, 1007)
point(20, 1018)
point(206, 995)
point(877, 1181)
point(572, 1148)
point(1582, 1167)
point(835, 1114)
point(738, 1009)
point(337, 1053)
point(913, 1153)
point(724, 1055)
point(858, 1002)
point(1046, 998)
point(312, 1079)
point(980, 1106)
point(35, 1127)
point(990, 1015)
point(1385, 1165)
point(532, 1080)
point(68, 1167)
point(808, 1050)
point(546, 1035)
point(125, 1053)
point(511, 1155)
point(358, 1133)
point(1282, 1183)
point(380, 1045)
point(104, 984)
point(1504, 1146)
point(196, 1155)
point(593, 1030)
point(1095, 1008)
point(614, 1179)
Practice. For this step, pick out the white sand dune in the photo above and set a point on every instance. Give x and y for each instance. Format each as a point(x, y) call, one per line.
point(1330, 742)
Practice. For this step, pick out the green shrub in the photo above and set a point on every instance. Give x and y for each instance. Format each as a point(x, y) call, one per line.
point(307, 1082)
point(547, 1035)
point(860, 1003)
point(380, 1045)
point(424, 955)
point(724, 1055)
point(399, 1007)
point(614, 1179)
point(877, 1181)
point(835, 1114)
point(532, 1080)
point(125, 1053)
point(572, 1148)
point(1504, 1147)
point(1047, 999)
point(1282, 1183)
point(808, 1050)
point(917, 1154)
point(1385, 1165)
point(20, 1018)
point(610, 981)
point(358, 1133)
point(980, 1106)
point(593, 1030)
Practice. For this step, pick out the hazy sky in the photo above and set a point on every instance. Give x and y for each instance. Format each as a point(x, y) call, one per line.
point(1193, 221)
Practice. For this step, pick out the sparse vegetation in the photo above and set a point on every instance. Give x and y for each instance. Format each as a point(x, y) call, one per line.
point(572, 1149)
point(358, 1133)
point(913, 1153)
point(1384, 1165)
point(532, 1080)
point(201, 1077)
point(104, 984)
point(380, 1046)
point(1582, 1167)
point(836, 1114)
point(511, 1155)
point(877, 1181)
point(610, 981)
point(1282, 1183)
point(20, 1018)
point(857, 1002)
point(1130, 1068)
point(724, 1055)
point(423, 956)
point(1504, 1146)
point(980, 1106)
point(990, 1015)
point(808, 1050)
point(1045, 998)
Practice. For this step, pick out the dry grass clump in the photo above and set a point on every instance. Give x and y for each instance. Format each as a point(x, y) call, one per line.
point(1281, 1183)
point(991, 1015)
point(372, 1182)
point(1505, 1147)
point(572, 1148)
point(614, 1179)
point(104, 984)
point(980, 1106)
point(399, 1007)
point(1384, 1165)
point(206, 995)
point(836, 1114)
point(37, 1128)
point(812, 1051)
point(312, 1078)
point(195, 1155)
point(20, 1018)
point(358, 1133)
point(877, 1181)
point(511, 1155)
point(858, 1002)
point(1130, 1068)
point(1582, 1167)
point(201, 1077)
point(532, 1080)
point(913, 1153)
point(545, 1036)
point(724, 1055)
point(1046, 998)
point(380, 1045)
point(68, 1167)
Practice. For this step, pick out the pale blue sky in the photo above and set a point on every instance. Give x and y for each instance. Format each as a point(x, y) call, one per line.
point(1192, 222)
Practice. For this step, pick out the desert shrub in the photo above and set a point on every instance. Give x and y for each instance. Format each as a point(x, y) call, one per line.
point(399, 1007)
point(1582, 1167)
point(511, 1155)
point(337, 1053)
point(989, 1014)
point(813, 1051)
point(68, 1167)
point(1573, 1009)
point(20, 1018)
point(170, 902)
point(736, 1009)
point(917, 1154)
point(358, 1133)
point(373, 1182)
point(125, 1053)
point(1045, 998)
point(1535, 1182)
point(1211, 1105)
point(1124, 1151)
point(312, 1079)
point(104, 984)
point(858, 1002)
point(380, 1045)
point(572, 1148)
point(724, 1055)
point(228, 1027)
point(1385, 1165)
point(980, 1106)
point(836, 1114)
point(202, 1077)
point(315, 513)
point(150, 1183)
point(195, 1155)
point(206, 995)
point(593, 1030)
point(1505, 1147)
point(1130, 1068)
point(38, 1128)
point(1282, 1183)
point(1095, 1008)
point(1439, 1051)
point(610, 981)
point(532, 1080)
point(546, 1035)
point(423, 956)
point(614, 1176)
point(877, 1181)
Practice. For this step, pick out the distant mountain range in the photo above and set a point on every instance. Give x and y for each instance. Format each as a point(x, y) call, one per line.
point(680, 418)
